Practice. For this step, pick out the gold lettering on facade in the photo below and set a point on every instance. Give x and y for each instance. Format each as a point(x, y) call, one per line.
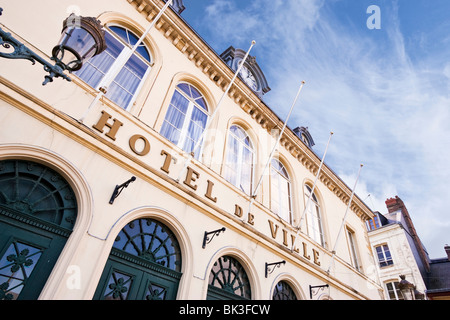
point(305, 251)
point(285, 233)
point(273, 230)
point(145, 149)
point(285, 238)
point(141, 147)
point(103, 122)
point(208, 193)
point(167, 161)
point(316, 257)
point(238, 211)
point(191, 177)
point(295, 249)
point(251, 219)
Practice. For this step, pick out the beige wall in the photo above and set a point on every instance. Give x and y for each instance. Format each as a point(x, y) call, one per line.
point(41, 123)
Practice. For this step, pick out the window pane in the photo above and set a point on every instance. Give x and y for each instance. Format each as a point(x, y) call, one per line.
point(280, 191)
point(95, 68)
point(16, 266)
point(124, 87)
point(127, 81)
point(173, 124)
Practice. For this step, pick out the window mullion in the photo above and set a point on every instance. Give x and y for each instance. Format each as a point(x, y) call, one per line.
point(185, 127)
point(116, 67)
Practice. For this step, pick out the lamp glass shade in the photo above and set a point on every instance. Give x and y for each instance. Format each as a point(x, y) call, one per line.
point(81, 39)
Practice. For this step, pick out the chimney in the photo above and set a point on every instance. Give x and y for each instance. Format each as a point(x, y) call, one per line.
point(447, 250)
point(394, 204)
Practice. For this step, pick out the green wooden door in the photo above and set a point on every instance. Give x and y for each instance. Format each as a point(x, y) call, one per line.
point(144, 264)
point(37, 213)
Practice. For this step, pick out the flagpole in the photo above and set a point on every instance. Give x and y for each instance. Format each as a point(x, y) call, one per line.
point(311, 193)
point(219, 104)
point(255, 193)
point(124, 59)
point(343, 220)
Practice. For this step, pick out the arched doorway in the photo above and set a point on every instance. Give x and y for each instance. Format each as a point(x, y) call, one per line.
point(228, 280)
point(38, 209)
point(144, 264)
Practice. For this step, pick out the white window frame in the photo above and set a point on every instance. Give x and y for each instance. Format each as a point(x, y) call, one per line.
point(120, 63)
point(279, 194)
point(353, 249)
point(313, 218)
point(187, 119)
point(241, 146)
point(389, 262)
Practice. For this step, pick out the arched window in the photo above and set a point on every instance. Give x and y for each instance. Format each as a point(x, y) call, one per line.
point(280, 191)
point(228, 280)
point(239, 161)
point(314, 217)
point(38, 209)
point(144, 264)
point(98, 70)
point(283, 291)
point(186, 118)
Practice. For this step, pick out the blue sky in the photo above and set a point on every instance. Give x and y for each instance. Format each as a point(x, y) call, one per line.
point(383, 92)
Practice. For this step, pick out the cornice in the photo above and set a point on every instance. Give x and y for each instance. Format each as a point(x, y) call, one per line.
point(177, 31)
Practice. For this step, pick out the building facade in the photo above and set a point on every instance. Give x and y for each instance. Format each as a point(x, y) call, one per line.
point(182, 224)
point(398, 251)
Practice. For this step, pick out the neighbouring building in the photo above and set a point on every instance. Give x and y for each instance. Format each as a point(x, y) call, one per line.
point(438, 280)
point(104, 199)
point(401, 256)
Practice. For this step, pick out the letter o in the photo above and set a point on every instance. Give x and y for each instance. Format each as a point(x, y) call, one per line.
point(145, 150)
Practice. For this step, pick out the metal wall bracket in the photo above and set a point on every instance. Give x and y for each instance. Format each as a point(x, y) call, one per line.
point(17, 50)
point(207, 239)
point(119, 189)
point(313, 292)
point(274, 265)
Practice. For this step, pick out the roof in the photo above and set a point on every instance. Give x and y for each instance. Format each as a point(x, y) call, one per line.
point(439, 277)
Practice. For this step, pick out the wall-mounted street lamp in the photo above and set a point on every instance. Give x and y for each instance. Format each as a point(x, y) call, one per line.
point(81, 39)
point(409, 290)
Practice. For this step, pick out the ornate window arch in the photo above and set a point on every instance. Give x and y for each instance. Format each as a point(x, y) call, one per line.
point(186, 118)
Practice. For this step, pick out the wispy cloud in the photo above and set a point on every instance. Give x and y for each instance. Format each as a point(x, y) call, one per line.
point(388, 110)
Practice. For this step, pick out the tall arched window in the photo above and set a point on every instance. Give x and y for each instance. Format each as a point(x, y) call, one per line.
point(228, 280)
point(239, 161)
point(38, 210)
point(186, 118)
point(280, 191)
point(283, 291)
point(144, 264)
point(314, 217)
point(98, 70)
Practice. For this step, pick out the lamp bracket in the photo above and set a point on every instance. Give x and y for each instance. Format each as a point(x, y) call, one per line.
point(314, 290)
point(118, 189)
point(274, 265)
point(20, 51)
point(207, 239)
